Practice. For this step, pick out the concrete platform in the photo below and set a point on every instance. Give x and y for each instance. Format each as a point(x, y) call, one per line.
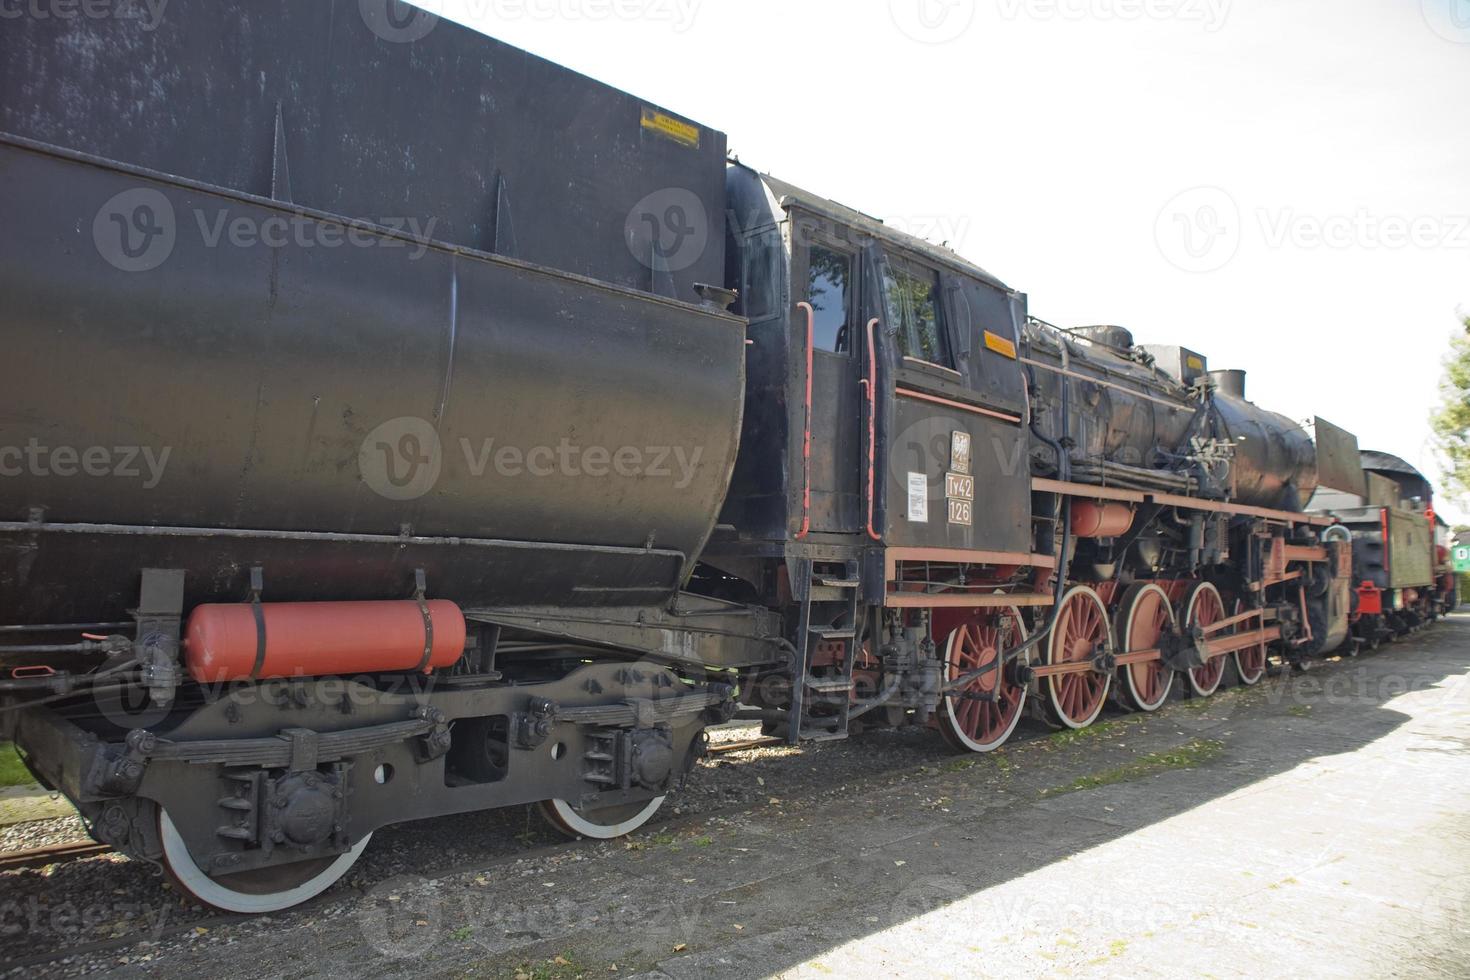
point(1312, 826)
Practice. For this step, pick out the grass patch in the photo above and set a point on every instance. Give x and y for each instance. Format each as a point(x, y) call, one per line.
point(1300, 710)
point(558, 968)
point(13, 772)
point(1187, 756)
point(1071, 736)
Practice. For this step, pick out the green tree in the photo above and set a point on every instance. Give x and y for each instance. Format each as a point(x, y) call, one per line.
point(1451, 421)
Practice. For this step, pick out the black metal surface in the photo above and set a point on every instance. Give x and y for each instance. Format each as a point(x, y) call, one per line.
point(1119, 410)
point(914, 431)
point(482, 144)
point(182, 770)
point(281, 384)
point(1275, 461)
point(1125, 413)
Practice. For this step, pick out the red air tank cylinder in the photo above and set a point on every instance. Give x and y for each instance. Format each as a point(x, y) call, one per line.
point(1097, 519)
point(314, 639)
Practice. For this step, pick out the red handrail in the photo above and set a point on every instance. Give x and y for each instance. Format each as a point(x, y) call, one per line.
point(871, 384)
point(806, 438)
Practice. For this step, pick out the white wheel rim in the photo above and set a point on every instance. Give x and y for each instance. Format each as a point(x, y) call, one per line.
point(1137, 700)
point(211, 892)
point(1247, 680)
point(1051, 658)
point(1194, 686)
point(954, 722)
point(583, 827)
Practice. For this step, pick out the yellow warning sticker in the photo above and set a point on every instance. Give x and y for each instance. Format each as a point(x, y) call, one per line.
point(1000, 345)
point(1195, 364)
point(675, 129)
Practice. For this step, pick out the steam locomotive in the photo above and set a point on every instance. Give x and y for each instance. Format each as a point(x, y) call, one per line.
point(401, 425)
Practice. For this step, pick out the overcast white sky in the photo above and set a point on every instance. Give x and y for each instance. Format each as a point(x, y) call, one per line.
point(1282, 185)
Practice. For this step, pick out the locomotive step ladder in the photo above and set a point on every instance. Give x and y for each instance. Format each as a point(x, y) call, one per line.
point(828, 624)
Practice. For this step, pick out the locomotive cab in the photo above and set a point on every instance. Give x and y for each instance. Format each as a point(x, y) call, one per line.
point(883, 371)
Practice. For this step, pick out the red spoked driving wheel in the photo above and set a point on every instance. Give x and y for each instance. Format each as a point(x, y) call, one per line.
point(1203, 608)
point(1075, 699)
point(983, 714)
point(1144, 616)
point(1250, 663)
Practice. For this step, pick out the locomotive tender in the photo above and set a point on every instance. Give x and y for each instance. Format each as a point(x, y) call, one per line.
point(502, 437)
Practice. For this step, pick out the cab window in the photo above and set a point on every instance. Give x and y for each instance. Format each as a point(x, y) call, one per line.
point(829, 290)
point(911, 294)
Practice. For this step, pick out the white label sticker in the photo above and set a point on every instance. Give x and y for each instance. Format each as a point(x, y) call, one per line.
point(918, 498)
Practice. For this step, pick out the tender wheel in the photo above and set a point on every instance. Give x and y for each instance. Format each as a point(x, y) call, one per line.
point(601, 824)
point(252, 892)
point(1144, 615)
point(973, 640)
point(1081, 630)
point(1203, 608)
point(1250, 663)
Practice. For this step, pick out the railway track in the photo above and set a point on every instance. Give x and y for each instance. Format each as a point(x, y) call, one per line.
point(39, 857)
